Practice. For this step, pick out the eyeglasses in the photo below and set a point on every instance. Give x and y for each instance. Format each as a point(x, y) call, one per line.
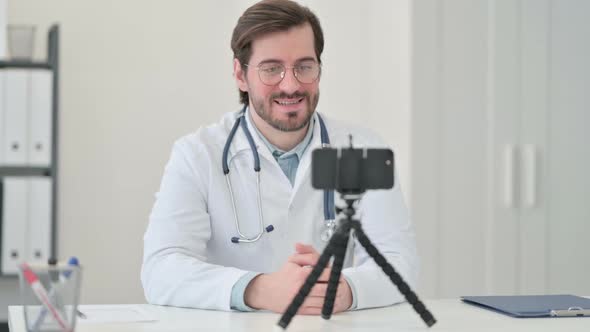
point(272, 73)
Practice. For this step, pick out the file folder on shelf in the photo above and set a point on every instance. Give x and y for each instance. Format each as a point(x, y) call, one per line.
point(39, 142)
point(14, 223)
point(38, 243)
point(16, 116)
point(26, 222)
point(531, 306)
point(2, 111)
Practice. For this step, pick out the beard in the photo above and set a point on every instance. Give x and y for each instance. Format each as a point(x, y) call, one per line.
point(295, 120)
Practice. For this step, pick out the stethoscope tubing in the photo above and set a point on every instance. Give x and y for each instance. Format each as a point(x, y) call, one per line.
point(329, 210)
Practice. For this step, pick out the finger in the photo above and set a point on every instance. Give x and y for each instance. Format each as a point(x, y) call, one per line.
point(339, 306)
point(323, 278)
point(319, 290)
point(342, 302)
point(304, 259)
point(309, 311)
point(303, 248)
point(313, 302)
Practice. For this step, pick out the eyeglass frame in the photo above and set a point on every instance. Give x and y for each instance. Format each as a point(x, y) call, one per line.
point(284, 72)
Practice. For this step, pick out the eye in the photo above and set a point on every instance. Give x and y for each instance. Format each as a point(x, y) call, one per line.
point(305, 67)
point(272, 69)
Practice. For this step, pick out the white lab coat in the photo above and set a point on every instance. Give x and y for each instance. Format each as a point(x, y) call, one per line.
point(189, 260)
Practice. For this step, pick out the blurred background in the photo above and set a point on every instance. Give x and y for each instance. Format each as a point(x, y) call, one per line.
point(485, 103)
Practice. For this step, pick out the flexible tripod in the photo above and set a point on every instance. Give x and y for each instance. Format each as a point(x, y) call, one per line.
point(337, 248)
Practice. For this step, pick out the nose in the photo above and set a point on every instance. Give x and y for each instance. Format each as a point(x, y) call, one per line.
point(289, 84)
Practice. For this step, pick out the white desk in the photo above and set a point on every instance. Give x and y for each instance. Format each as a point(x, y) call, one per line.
point(452, 315)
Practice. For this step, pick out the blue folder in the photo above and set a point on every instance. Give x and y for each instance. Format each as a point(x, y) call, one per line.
point(529, 306)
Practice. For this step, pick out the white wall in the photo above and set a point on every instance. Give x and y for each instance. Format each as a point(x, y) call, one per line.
point(138, 74)
point(3, 18)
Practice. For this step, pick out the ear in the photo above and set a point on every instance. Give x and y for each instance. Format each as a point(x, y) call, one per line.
point(240, 76)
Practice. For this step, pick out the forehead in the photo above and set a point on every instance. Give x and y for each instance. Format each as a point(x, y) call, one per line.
point(284, 46)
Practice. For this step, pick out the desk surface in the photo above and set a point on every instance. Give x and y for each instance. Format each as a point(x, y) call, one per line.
point(452, 315)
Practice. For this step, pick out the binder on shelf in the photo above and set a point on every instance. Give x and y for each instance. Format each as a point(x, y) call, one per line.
point(39, 142)
point(38, 244)
point(16, 113)
point(14, 223)
point(2, 106)
point(533, 306)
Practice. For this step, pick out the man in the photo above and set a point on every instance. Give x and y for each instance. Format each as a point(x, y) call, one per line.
point(189, 260)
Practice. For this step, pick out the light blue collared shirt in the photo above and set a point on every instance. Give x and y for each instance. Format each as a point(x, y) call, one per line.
point(288, 160)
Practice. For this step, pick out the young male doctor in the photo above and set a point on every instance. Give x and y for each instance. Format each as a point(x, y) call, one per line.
point(236, 243)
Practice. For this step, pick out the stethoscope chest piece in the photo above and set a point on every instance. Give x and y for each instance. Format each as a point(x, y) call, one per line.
point(330, 226)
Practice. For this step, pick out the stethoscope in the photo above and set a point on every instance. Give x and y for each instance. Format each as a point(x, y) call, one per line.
point(329, 209)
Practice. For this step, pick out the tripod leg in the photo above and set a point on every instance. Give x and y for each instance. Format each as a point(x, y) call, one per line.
point(340, 243)
point(309, 282)
point(393, 275)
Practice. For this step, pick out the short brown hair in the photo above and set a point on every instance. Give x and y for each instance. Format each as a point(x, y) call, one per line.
point(269, 16)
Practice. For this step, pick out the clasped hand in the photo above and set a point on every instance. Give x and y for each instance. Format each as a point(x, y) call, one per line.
point(275, 291)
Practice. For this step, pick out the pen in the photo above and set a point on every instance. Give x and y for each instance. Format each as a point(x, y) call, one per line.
point(73, 261)
point(42, 295)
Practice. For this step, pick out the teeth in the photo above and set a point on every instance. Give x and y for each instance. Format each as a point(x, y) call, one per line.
point(288, 102)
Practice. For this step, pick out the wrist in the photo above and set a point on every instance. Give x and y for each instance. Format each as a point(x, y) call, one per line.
point(253, 292)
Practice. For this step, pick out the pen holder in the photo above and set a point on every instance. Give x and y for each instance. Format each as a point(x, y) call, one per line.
point(49, 295)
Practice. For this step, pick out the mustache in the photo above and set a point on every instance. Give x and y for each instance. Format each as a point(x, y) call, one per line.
point(289, 96)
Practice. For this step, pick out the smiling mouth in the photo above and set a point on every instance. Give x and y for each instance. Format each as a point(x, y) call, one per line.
point(289, 102)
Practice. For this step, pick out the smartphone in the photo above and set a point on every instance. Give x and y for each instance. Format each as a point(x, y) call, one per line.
point(350, 170)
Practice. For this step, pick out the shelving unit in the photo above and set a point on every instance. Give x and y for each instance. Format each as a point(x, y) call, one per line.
point(28, 169)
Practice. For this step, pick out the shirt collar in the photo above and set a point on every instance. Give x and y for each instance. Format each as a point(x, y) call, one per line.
point(298, 150)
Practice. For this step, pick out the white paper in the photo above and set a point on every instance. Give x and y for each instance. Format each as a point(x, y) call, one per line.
point(99, 314)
